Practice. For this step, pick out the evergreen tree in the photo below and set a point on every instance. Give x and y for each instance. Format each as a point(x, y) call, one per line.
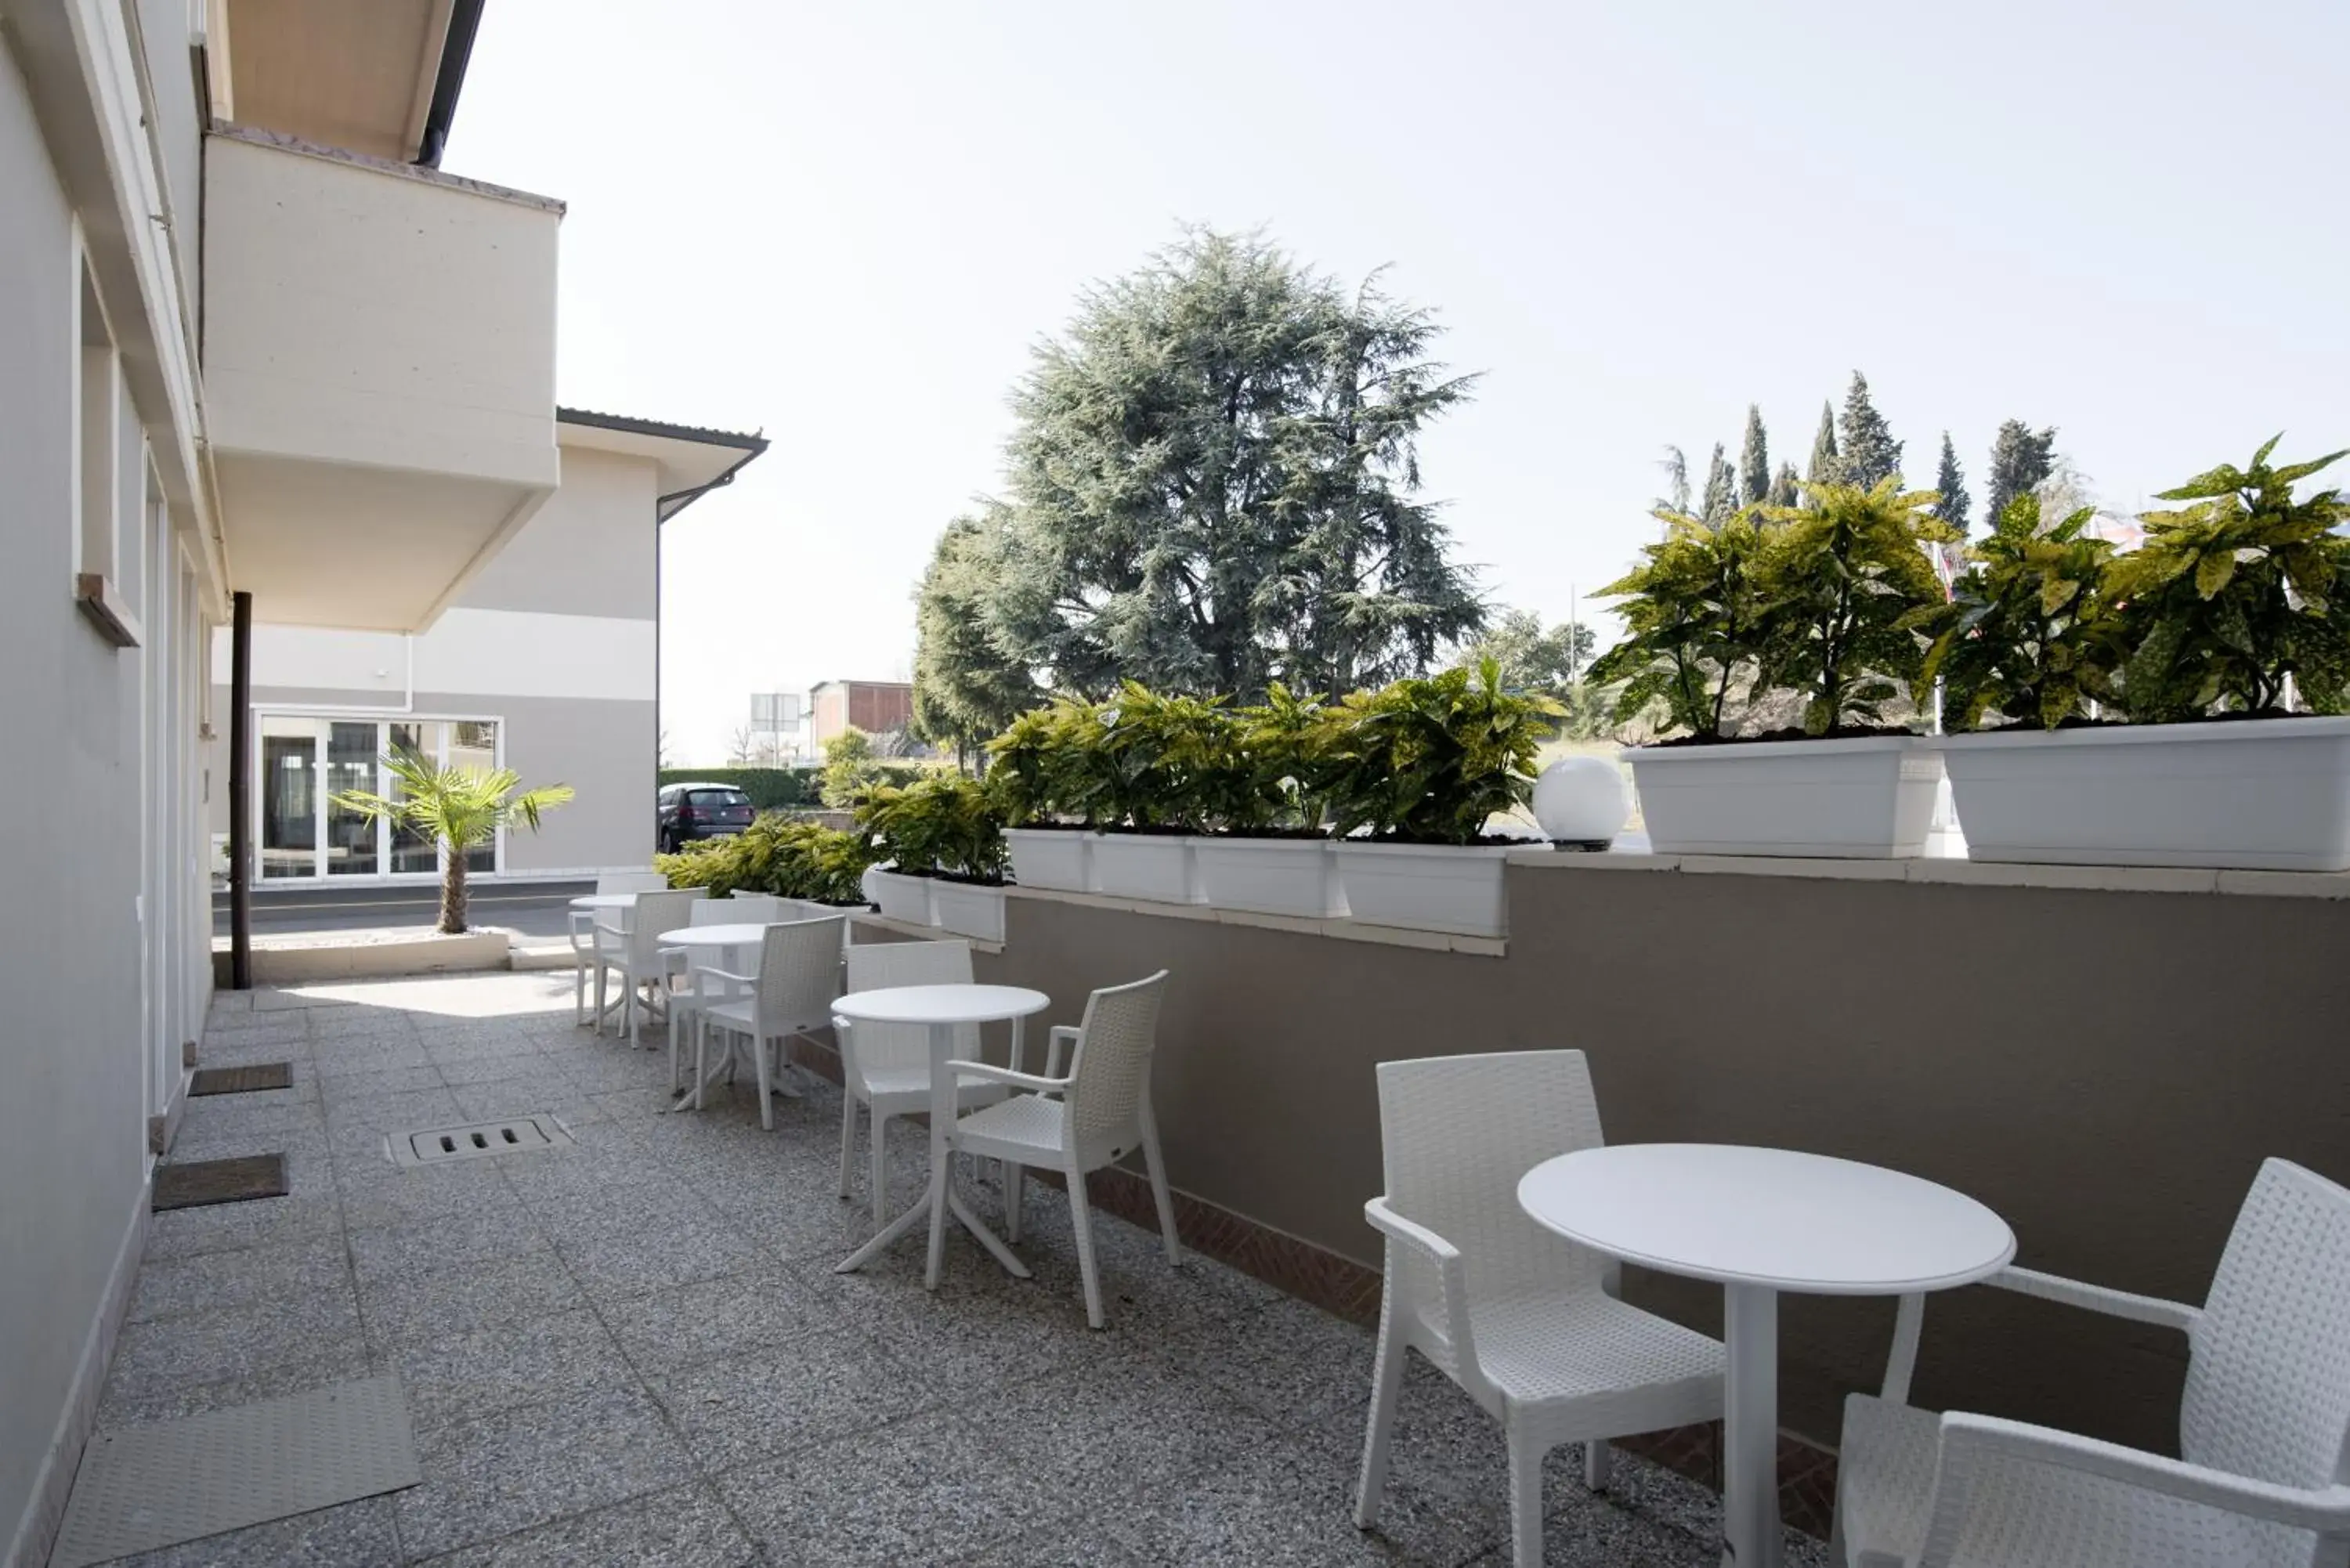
point(2019, 459)
point(1784, 492)
point(1951, 480)
point(1825, 469)
point(1754, 460)
point(1721, 487)
point(1867, 452)
point(1675, 463)
point(965, 688)
point(1216, 484)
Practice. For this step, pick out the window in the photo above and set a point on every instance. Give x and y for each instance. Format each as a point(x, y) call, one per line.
point(111, 494)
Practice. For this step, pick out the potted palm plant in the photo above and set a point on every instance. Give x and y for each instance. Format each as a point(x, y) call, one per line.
point(459, 808)
point(1833, 602)
point(2220, 654)
point(1038, 777)
point(1420, 769)
point(1266, 850)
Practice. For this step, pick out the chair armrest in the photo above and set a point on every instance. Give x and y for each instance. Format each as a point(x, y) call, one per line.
point(1452, 1281)
point(1060, 1034)
point(1006, 1075)
point(728, 974)
point(2097, 1298)
point(1972, 1444)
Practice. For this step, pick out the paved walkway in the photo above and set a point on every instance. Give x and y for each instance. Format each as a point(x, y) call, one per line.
point(634, 1350)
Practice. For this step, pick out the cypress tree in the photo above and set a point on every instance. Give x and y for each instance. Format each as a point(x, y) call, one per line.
point(1783, 486)
point(2019, 459)
point(1868, 452)
point(1951, 480)
point(1755, 462)
point(1826, 467)
point(1721, 488)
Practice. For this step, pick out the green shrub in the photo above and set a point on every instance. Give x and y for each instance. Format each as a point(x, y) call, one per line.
point(791, 857)
point(1163, 757)
point(2237, 595)
point(2032, 637)
point(1431, 759)
point(1269, 778)
point(1850, 599)
point(1041, 769)
point(945, 824)
point(1691, 611)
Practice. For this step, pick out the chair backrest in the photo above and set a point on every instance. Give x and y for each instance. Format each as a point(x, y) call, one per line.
point(722, 912)
point(799, 974)
point(2268, 1379)
point(1110, 1070)
point(1456, 1135)
point(756, 910)
point(631, 882)
point(657, 912)
point(878, 966)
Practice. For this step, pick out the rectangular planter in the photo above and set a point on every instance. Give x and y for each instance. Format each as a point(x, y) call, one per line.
point(1269, 876)
point(1863, 798)
point(1159, 867)
point(2263, 794)
point(902, 898)
point(1054, 857)
point(1427, 887)
point(969, 909)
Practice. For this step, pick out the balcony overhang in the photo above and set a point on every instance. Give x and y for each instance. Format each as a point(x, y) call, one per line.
point(379, 369)
point(379, 77)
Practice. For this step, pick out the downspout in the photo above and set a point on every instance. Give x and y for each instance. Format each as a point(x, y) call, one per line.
point(240, 793)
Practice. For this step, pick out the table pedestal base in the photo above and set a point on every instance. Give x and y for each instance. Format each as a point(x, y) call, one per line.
point(1750, 1428)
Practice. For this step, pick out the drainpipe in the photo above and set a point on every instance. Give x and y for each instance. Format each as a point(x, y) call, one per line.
point(240, 793)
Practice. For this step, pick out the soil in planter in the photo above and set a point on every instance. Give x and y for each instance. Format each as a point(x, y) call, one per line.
point(1484, 840)
point(1792, 732)
point(1126, 830)
point(1297, 834)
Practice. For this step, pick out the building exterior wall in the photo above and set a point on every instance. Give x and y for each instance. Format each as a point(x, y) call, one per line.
point(102, 965)
point(555, 639)
point(875, 707)
point(2106, 1070)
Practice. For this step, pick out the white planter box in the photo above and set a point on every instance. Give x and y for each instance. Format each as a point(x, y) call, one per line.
point(901, 897)
point(1052, 858)
point(2264, 794)
point(1270, 876)
point(968, 910)
point(1427, 887)
point(1863, 798)
point(1154, 866)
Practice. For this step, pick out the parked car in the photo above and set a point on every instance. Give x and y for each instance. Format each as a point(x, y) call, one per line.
point(690, 811)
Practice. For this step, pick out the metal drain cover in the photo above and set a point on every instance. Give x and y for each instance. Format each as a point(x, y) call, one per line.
point(437, 1145)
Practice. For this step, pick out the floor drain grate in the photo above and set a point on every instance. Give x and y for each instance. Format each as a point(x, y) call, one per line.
point(437, 1145)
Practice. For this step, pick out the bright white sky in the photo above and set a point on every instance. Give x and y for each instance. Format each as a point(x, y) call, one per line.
point(847, 224)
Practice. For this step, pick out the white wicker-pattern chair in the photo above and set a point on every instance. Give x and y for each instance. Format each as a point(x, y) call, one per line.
point(887, 1067)
point(584, 931)
point(686, 993)
point(1526, 1323)
point(799, 974)
point(627, 944)
point(2264, 1427)
point(1098, 1114)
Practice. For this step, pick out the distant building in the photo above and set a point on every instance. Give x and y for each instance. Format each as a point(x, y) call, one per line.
point(875, 707)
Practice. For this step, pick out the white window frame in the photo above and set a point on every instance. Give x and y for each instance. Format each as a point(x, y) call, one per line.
point(103, 514)
point(325, 718)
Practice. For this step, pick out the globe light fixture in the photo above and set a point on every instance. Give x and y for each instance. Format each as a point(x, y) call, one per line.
point(1581, 802)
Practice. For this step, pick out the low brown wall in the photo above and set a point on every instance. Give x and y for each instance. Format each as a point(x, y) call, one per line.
point(2105, 1069)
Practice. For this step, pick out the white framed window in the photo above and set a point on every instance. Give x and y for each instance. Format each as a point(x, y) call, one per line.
point(111, 483)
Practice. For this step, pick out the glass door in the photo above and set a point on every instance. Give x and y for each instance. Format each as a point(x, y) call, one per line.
point(290, 798)
point(352, 847)
point(414, 851)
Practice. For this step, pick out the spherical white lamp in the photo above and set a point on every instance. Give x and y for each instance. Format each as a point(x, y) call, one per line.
point(1581, 802)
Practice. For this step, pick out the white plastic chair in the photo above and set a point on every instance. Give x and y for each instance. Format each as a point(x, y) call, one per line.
point(627, 943)
point(584, 930)
point(1096, 1116)
point(686, 994)
point(2263, 1426)
point(799, 974)
point(1526, 1323)
point(887, 1067)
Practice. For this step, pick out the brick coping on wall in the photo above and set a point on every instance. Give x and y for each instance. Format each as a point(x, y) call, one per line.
point(1339, 1284)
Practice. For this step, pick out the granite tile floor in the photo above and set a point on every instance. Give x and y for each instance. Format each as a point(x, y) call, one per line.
point(635, 1350)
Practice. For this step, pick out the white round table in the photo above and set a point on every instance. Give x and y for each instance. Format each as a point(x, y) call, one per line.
point(1760, 1222)
point(938, 1008)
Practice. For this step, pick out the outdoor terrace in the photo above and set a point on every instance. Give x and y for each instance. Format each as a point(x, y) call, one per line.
point(635, 1348)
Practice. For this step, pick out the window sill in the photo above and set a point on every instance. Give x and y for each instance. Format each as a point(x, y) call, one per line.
point(106, 610)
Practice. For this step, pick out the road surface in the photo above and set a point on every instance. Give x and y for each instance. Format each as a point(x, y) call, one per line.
point(534, 909)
